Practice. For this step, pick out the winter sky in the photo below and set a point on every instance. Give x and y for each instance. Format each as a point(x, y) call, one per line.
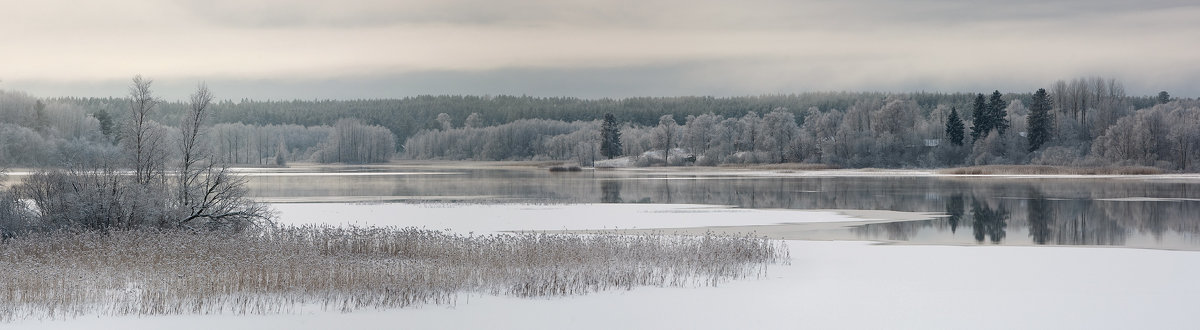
point(285, 49)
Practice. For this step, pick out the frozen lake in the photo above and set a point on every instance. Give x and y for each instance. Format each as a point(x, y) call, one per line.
point(963, 252)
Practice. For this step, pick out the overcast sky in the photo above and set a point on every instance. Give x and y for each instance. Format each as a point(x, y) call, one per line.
point(285, 49)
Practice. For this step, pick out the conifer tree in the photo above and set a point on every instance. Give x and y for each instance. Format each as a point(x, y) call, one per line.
point(954, 128)
point(982, 122)
point(1039, 119)
point(997, 112)
point(610, 135)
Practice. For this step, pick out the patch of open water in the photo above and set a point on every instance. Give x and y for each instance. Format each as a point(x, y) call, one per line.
point(1104, 211)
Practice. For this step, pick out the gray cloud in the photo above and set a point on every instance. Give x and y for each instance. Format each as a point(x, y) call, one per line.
point(581, 48)
point(663, 13)
point(711, 78)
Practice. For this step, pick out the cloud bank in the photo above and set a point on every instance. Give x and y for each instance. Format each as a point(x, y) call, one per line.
point(378, 48)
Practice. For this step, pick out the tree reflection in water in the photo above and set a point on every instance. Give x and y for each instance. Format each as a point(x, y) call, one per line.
point(954, 208)
point(988, 222)
point(1040, 220)
point(610, 191)
point(1061, 211)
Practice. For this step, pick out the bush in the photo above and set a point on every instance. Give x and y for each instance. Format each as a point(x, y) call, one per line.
point(14, 217)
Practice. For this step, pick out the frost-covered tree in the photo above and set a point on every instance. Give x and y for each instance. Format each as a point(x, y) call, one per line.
point(208, 195)
point(666, 136)
point(749, 132)
point(1164, 135)
point(14, 216)
point(195, 155)
point(474, 120)
point(779, 132)
point(136, 191)
point(699, 133)
point(356, 143)
point(443, 120)
point(144, 140)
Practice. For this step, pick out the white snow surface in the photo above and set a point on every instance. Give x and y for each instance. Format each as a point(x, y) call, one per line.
point(828, 285)
point(494, 218)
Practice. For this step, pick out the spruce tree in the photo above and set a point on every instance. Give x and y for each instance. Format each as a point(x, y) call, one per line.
point(1164, 97)
point(1039, 119)
point(998, 112)
point(954, 128)
point(610, 135)
point(982, 122)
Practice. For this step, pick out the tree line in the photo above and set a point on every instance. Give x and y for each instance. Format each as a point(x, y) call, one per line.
point(1059, 126)
point(895, 131)
point(37, 133)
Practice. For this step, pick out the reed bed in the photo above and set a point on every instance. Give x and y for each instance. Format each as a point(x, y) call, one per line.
point(784, 166)
point(289, 269)
point(1052, 170)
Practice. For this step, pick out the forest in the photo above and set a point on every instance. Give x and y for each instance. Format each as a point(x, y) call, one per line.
point(1079, 122)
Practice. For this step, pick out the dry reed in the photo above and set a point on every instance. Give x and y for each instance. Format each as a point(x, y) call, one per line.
point(783, 166)
point(283, 270)
point(1051, 170)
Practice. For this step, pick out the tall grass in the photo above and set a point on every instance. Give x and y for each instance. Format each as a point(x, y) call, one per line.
point(281, 270)
point(1052, 170)
point(784, 166)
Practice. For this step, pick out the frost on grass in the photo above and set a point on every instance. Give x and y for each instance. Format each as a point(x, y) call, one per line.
point(153, 272)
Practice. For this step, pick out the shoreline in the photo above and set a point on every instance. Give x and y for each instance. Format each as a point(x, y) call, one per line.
point(430, 167)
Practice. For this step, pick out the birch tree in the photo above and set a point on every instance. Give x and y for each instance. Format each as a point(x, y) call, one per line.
point(665, 136)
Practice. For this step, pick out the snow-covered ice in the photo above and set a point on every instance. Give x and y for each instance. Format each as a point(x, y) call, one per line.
point(828, 285)
point(493, 218)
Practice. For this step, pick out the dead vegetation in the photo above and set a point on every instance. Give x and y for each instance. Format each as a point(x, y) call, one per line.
point(1051, 170)
point(784, 166)
point(283, 270)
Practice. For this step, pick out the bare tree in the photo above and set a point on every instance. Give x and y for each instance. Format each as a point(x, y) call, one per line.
point(14, 217)
point(208, 194)
point(192, 132)
point(222, 203)
point(143, 137)
point(191, 129)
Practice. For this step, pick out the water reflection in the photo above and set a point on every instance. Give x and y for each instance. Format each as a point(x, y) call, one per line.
point(610, 191)
point(1129, 212)
point(1038, 220)
point(987, 222)
point(954, 208)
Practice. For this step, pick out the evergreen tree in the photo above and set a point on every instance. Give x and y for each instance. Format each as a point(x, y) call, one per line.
point(610, 136)
point(106, 123)
point(954, 128)
point(1039, 119)
point(997, 112)
point(982, 122)
point(1164, 97)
